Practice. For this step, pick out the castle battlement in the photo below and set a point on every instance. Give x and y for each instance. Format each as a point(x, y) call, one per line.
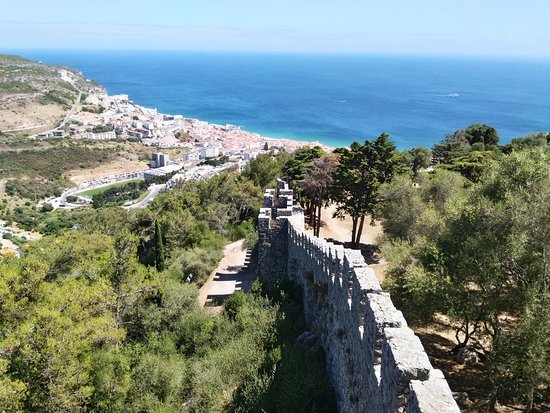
point(376, 362)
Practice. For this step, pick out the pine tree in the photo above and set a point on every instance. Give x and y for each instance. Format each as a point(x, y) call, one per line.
point(160, 253)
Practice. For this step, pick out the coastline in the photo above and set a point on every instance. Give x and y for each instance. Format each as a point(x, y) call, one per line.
point(298, 97)
point(289, 144)
point(103, 117)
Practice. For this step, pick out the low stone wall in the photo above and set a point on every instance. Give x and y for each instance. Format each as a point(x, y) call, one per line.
point(376, 362)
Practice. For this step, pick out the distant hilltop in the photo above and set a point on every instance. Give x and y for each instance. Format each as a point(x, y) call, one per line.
point(35, 96)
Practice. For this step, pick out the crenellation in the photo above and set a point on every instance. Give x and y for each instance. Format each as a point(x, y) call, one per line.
point(403, 360)
point(374, 360)
point(431, 395)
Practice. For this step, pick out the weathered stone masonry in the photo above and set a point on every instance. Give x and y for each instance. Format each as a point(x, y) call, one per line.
point(375, 361)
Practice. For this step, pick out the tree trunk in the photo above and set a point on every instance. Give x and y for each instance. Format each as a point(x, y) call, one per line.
point(359, 231)
point(530, 401)
point(319, 219)
point(310, 209)
point(493, 402)
point(353, 229)
point(314, 217)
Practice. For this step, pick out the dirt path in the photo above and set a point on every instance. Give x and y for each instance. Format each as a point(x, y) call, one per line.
point(232, 274)
point(340, 230)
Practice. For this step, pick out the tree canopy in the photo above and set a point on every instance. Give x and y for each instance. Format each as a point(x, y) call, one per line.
point(361, 170)
point(479, 254)
point(102, 317)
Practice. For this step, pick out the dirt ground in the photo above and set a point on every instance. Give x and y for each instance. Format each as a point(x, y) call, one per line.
point(336, 230)
point(232, 274)
point(22, 111)
point(120, 166)
point(127, 161)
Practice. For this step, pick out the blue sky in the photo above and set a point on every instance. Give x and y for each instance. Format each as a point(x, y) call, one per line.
point(464, 27)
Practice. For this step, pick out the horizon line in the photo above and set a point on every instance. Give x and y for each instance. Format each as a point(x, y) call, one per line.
point(285, 52)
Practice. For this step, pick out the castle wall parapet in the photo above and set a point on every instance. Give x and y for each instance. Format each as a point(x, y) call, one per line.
point(375, 361)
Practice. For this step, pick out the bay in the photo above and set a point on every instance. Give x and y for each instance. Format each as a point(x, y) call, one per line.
point(336, 99)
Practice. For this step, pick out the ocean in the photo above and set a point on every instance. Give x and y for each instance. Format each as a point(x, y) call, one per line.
point(335, 99)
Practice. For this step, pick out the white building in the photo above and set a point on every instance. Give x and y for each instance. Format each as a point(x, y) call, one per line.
point(102, 136)
point(58, 133)
point(165, 170)
point(210, 152)
point(192, 156)
point(120, 98)
point(247, 156)
point(159, 160)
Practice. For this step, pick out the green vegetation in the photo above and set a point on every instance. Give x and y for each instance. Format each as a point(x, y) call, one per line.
point(91, 192)
point(102, 128)
point(416, 159)
point(532, 140)
point(120, 194)
point(474, 137)
point(101, 318)
point(360, 172)
point(34, 189)
point(19, 241)
point(265, 169)
point(14, 87)
point(39, 173)
point(317, 187)
point(478, 253)
point(62, 98)
point(216, 161)
point(293, 376)
point(311, 194)
point(468, 240)
point(92, 108)
point(30, 218)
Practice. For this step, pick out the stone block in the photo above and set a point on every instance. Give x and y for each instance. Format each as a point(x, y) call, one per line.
point(403, 354)
point(431, 396)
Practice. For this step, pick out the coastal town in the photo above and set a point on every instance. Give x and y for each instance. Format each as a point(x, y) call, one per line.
point(184, 148)
point(208, 149)
point(266, 207)
point(99, 116)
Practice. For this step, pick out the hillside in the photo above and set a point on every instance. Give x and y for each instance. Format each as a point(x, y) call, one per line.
point(35, 96)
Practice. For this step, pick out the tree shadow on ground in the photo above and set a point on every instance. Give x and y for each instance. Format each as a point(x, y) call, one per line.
point(471, 379)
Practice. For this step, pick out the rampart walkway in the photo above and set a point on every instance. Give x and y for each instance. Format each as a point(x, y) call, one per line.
point(232, 274)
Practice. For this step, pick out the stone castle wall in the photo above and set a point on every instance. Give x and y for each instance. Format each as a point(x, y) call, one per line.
point(375, 361)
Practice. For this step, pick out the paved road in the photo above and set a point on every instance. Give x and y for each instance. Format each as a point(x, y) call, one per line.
point(72, 110)
point(154, 190)
point(233, 274)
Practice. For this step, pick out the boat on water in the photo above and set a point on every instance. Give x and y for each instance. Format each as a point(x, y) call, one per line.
point(453, 95)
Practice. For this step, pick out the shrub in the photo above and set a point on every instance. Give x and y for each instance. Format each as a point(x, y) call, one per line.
point(235, 303)
point(198, 261)
point(46, 207)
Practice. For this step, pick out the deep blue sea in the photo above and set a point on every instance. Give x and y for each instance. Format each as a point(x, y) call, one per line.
point(335, 99)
